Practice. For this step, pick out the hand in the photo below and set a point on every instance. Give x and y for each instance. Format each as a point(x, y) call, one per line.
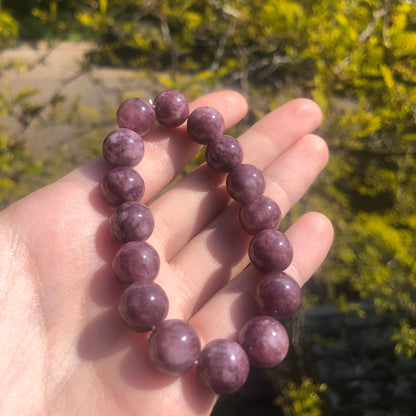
point(64, 348)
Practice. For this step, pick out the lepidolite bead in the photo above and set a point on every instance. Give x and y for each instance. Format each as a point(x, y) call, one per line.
point(265, 341)
point(136, 261)
point(223, 153)
point(123, 147)
point(278, 295)
point(171, 108)
point(143, 305)
point(136, 114)
point(174, 346)
point(270, 251)
point(205, 124)
point(131, 221)
point(260, 213)
point(244, 182)
point(223, 366)
point(122, 184)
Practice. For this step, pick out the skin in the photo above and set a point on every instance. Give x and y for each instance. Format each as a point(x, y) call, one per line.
point(64, 349)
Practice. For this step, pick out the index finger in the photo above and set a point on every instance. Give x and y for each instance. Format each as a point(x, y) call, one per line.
point(168, 151)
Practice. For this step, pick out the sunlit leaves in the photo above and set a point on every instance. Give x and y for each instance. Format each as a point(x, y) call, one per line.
point(9, 28)
point(304, 399)
point(405, 339)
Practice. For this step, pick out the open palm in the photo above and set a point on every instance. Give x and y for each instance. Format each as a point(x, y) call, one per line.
point(64, 349)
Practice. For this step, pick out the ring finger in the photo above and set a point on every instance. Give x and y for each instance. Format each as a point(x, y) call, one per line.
point(187, 208)
point(219, 252)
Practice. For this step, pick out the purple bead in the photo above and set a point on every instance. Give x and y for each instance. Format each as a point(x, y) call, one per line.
point(245, 182)
point(123, 147)
point(136, 261)
point(223, 153)
point(131, 221)
point(136, 114)
point(174, 347)
point(223, 366)
point(171, 108)
point(260, 213)
point(270, 251)
point(122, 184)
point(265, 341)
point(278, 295)
point(205, 124)
point(143, 306)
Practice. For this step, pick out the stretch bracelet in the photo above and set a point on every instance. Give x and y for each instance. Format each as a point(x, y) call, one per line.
point(173, 345)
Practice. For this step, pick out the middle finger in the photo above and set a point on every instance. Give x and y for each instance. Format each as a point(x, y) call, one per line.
point(219, 252)
point(186, 209)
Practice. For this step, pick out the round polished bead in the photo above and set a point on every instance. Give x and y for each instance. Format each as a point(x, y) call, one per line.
point(223, 366)
point(143, 305)
point(265, 341)
point(205, 124)
point(223, 153)
point(171, 108)
point(122, 184)
point(244, 182)
point(131, 221)
point(174, 347)
point(136, 261)
point(260, 213)
point(136, 114)
point(278, 295)
point(270, 251)
point(123, 147)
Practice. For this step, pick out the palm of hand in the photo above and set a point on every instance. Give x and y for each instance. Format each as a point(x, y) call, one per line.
point(65, 350)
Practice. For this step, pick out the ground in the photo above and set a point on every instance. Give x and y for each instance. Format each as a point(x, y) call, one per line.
point(53, 69)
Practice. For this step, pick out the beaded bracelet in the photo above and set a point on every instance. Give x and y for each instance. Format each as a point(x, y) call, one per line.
point(174, 346)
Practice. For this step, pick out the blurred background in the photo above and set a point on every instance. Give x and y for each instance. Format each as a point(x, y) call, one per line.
point(65, 64)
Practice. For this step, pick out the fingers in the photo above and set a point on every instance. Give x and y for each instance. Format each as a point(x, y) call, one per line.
point(278, 130)
point(69, 218)
point(168, 154)
point(185, 210)
point(168, 151)
point(226, 313)
point(219, 252)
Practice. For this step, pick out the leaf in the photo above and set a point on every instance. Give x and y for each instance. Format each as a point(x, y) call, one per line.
point(388, 77)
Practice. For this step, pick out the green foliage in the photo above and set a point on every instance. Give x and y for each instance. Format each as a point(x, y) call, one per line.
point(191, 35)
point(367, 85)
point(405, 339)
point(385, 252)
point(304, 399)
point(15, 160)
point(44, 19)
point(9, 29)
point(20, 173)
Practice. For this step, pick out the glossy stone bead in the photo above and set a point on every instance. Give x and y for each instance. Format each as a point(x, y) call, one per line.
point(171, 108)
point(244, 182)
point(278, 295)
point(265, 341)
point(270, 251)
point(136, 261)
point(136, 114)
point(123, 147)
point(174, 347)
point(259, 213)
point(122, 184)
point(131, 221)
point(143, 305)
point(205, 124)
point(223, 366)
point(223, 153)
